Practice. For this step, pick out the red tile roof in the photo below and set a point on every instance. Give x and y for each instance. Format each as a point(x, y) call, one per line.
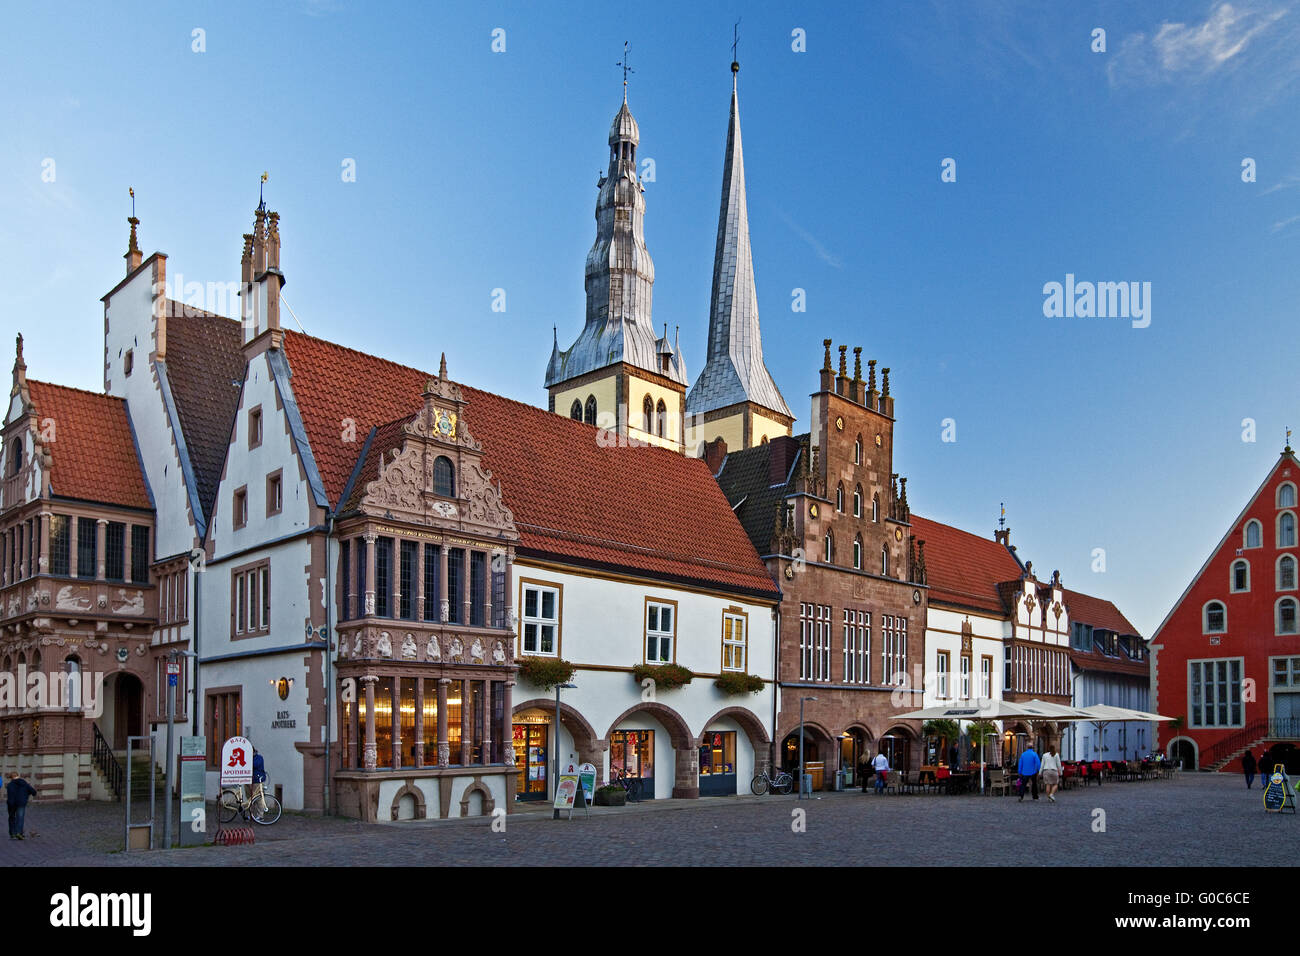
point(964, 568)
point(93, 451)
point(1086, 609)
point(641, 509)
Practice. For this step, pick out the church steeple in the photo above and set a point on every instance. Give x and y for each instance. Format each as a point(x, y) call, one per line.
point(734, 373)
point(618, 338)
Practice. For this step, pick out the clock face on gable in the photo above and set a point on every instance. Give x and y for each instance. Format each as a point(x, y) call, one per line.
point(444, 423)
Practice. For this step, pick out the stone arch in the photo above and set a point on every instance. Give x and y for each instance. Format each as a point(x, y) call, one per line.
point(408, 790)
point(583, 735)
point(678, 731)
point(749, 722)
point(1179, 745)
point(477, 787)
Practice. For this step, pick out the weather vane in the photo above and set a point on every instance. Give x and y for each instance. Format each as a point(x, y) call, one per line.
point(735, 40)
point(261, 203)
point(1002, 521)
point(131, 190)
point(626, 69)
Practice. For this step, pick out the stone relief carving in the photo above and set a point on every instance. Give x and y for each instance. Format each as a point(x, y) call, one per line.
point(408, 648)
point(432, 651)
point(385, 646)
point(128, 603)
point(356, 648)
point(483, 498)
point(498, 653)
point(72, 598)
point(476, 652)
point(455, 650)
point(399, 481)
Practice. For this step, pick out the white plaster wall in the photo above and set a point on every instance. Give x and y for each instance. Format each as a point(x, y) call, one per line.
point(986, 639)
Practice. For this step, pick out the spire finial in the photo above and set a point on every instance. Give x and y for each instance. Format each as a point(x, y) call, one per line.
point(133, 254)
point(19, 360)
point(626, 69)
point(1002, 521)
point(442, 368)
point(735, 42)
point(261, 202)
point(1288, 441)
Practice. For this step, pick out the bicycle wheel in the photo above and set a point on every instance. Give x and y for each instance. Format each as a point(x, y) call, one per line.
point(758, 786)
point(227, 806)
point(267, 816)
point(634, 788)
point(783, 784)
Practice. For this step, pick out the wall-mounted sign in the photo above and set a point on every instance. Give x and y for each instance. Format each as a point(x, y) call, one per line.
point(283, 721)
point(237, 762)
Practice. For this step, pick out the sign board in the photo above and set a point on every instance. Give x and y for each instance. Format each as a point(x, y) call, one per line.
point(566, 793)
point(173, 667)
point(1278, 795)
point(193, 822)
point(236, 762)
point(587, 777)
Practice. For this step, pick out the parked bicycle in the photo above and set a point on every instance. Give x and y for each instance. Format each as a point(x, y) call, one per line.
point(763, 783)
point(260, 806)
point(631, 785)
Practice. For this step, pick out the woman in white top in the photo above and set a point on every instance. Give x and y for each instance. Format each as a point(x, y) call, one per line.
point(1051, 771)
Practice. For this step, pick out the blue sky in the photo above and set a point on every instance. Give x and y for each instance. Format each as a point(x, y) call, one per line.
point(477, 170)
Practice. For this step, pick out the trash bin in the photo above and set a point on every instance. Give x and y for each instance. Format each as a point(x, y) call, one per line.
point(840, 781)
point(806, 786)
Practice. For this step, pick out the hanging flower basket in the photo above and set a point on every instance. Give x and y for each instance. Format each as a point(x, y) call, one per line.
point(737, 684)
point(545, 672)
point(665, 676)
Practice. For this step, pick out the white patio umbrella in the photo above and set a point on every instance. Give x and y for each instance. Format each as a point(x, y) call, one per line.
point(1102, 714)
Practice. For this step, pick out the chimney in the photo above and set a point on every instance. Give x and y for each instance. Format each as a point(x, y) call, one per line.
point(133, 256)
point(781, 452)
point(714, 453)
point(827, 372)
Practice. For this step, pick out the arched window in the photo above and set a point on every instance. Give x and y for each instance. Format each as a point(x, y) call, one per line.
point(1286, 616)
point(1239, 579)
point(1286, 573)
point(857, 553)
point(1286, 495)
point(857, 451)
point(647, 414)
point(857, 502)
point(575, 410)
point(661, 418)
point(1254, 534)
point(884, 561)
point(830, 548)
point(589, 413)
point(1216, 618)
point(1286, 530)
point(444, 477)
point(839, 497)
point(72, 667)
point(875, 507)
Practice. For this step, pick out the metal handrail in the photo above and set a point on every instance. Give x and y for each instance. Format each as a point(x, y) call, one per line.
point(1262, 729)
point(104, 758)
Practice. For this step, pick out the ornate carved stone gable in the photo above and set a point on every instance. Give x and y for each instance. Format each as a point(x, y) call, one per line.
point(484, 499)
point(400, 482)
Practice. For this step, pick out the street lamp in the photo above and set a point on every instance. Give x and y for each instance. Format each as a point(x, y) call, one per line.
point(555, 814)
point(801, 775)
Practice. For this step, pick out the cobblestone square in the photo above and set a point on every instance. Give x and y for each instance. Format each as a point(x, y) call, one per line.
point(1192, 820)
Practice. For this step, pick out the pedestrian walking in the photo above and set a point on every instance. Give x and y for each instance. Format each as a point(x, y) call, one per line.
point(17, 793)
point(1028, 770)
point(1051, 772)
point(1249, 767)
point(881, 765)
point(864, 769)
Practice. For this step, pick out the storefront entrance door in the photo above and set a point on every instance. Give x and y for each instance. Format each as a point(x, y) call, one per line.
point(718, 763)
point(531, 759)
point(632, 752)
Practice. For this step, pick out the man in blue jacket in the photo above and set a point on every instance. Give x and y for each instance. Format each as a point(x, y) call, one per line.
point(17, 793)
point(1028, 769)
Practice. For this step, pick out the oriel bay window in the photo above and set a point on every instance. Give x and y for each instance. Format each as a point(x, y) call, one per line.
point(406, 582)
point(115, 551)
point(59, 544)
point(432, 582)
point(87, 548)
point(477, 588)
point(139, 554)
point(345, 572)
point(384, 577)
point(455, 585)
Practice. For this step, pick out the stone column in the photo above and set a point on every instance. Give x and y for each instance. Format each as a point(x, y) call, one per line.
point(486, 755)
point(354, 743)
point(419, 718)
point(507, 706)
point(444, 748)
point(466, 723)
point(371, 750)
point(594, 754)
point(444, 563)
point(101, 540)
point(418, 608)
point(369, 598)
point(686, 780)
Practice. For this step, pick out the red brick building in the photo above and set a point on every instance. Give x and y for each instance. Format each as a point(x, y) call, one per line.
point(829, 516)
point(1226, 659)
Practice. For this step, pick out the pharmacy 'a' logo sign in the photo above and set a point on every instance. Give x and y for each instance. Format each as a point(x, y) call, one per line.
point(236, 762)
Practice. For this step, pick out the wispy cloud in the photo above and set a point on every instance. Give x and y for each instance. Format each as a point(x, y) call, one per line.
point(1191, 51)
point(1287, 182)
point(1279, 226)
point(824, 254)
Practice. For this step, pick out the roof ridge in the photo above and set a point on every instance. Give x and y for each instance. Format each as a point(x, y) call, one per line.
point(73, 388)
